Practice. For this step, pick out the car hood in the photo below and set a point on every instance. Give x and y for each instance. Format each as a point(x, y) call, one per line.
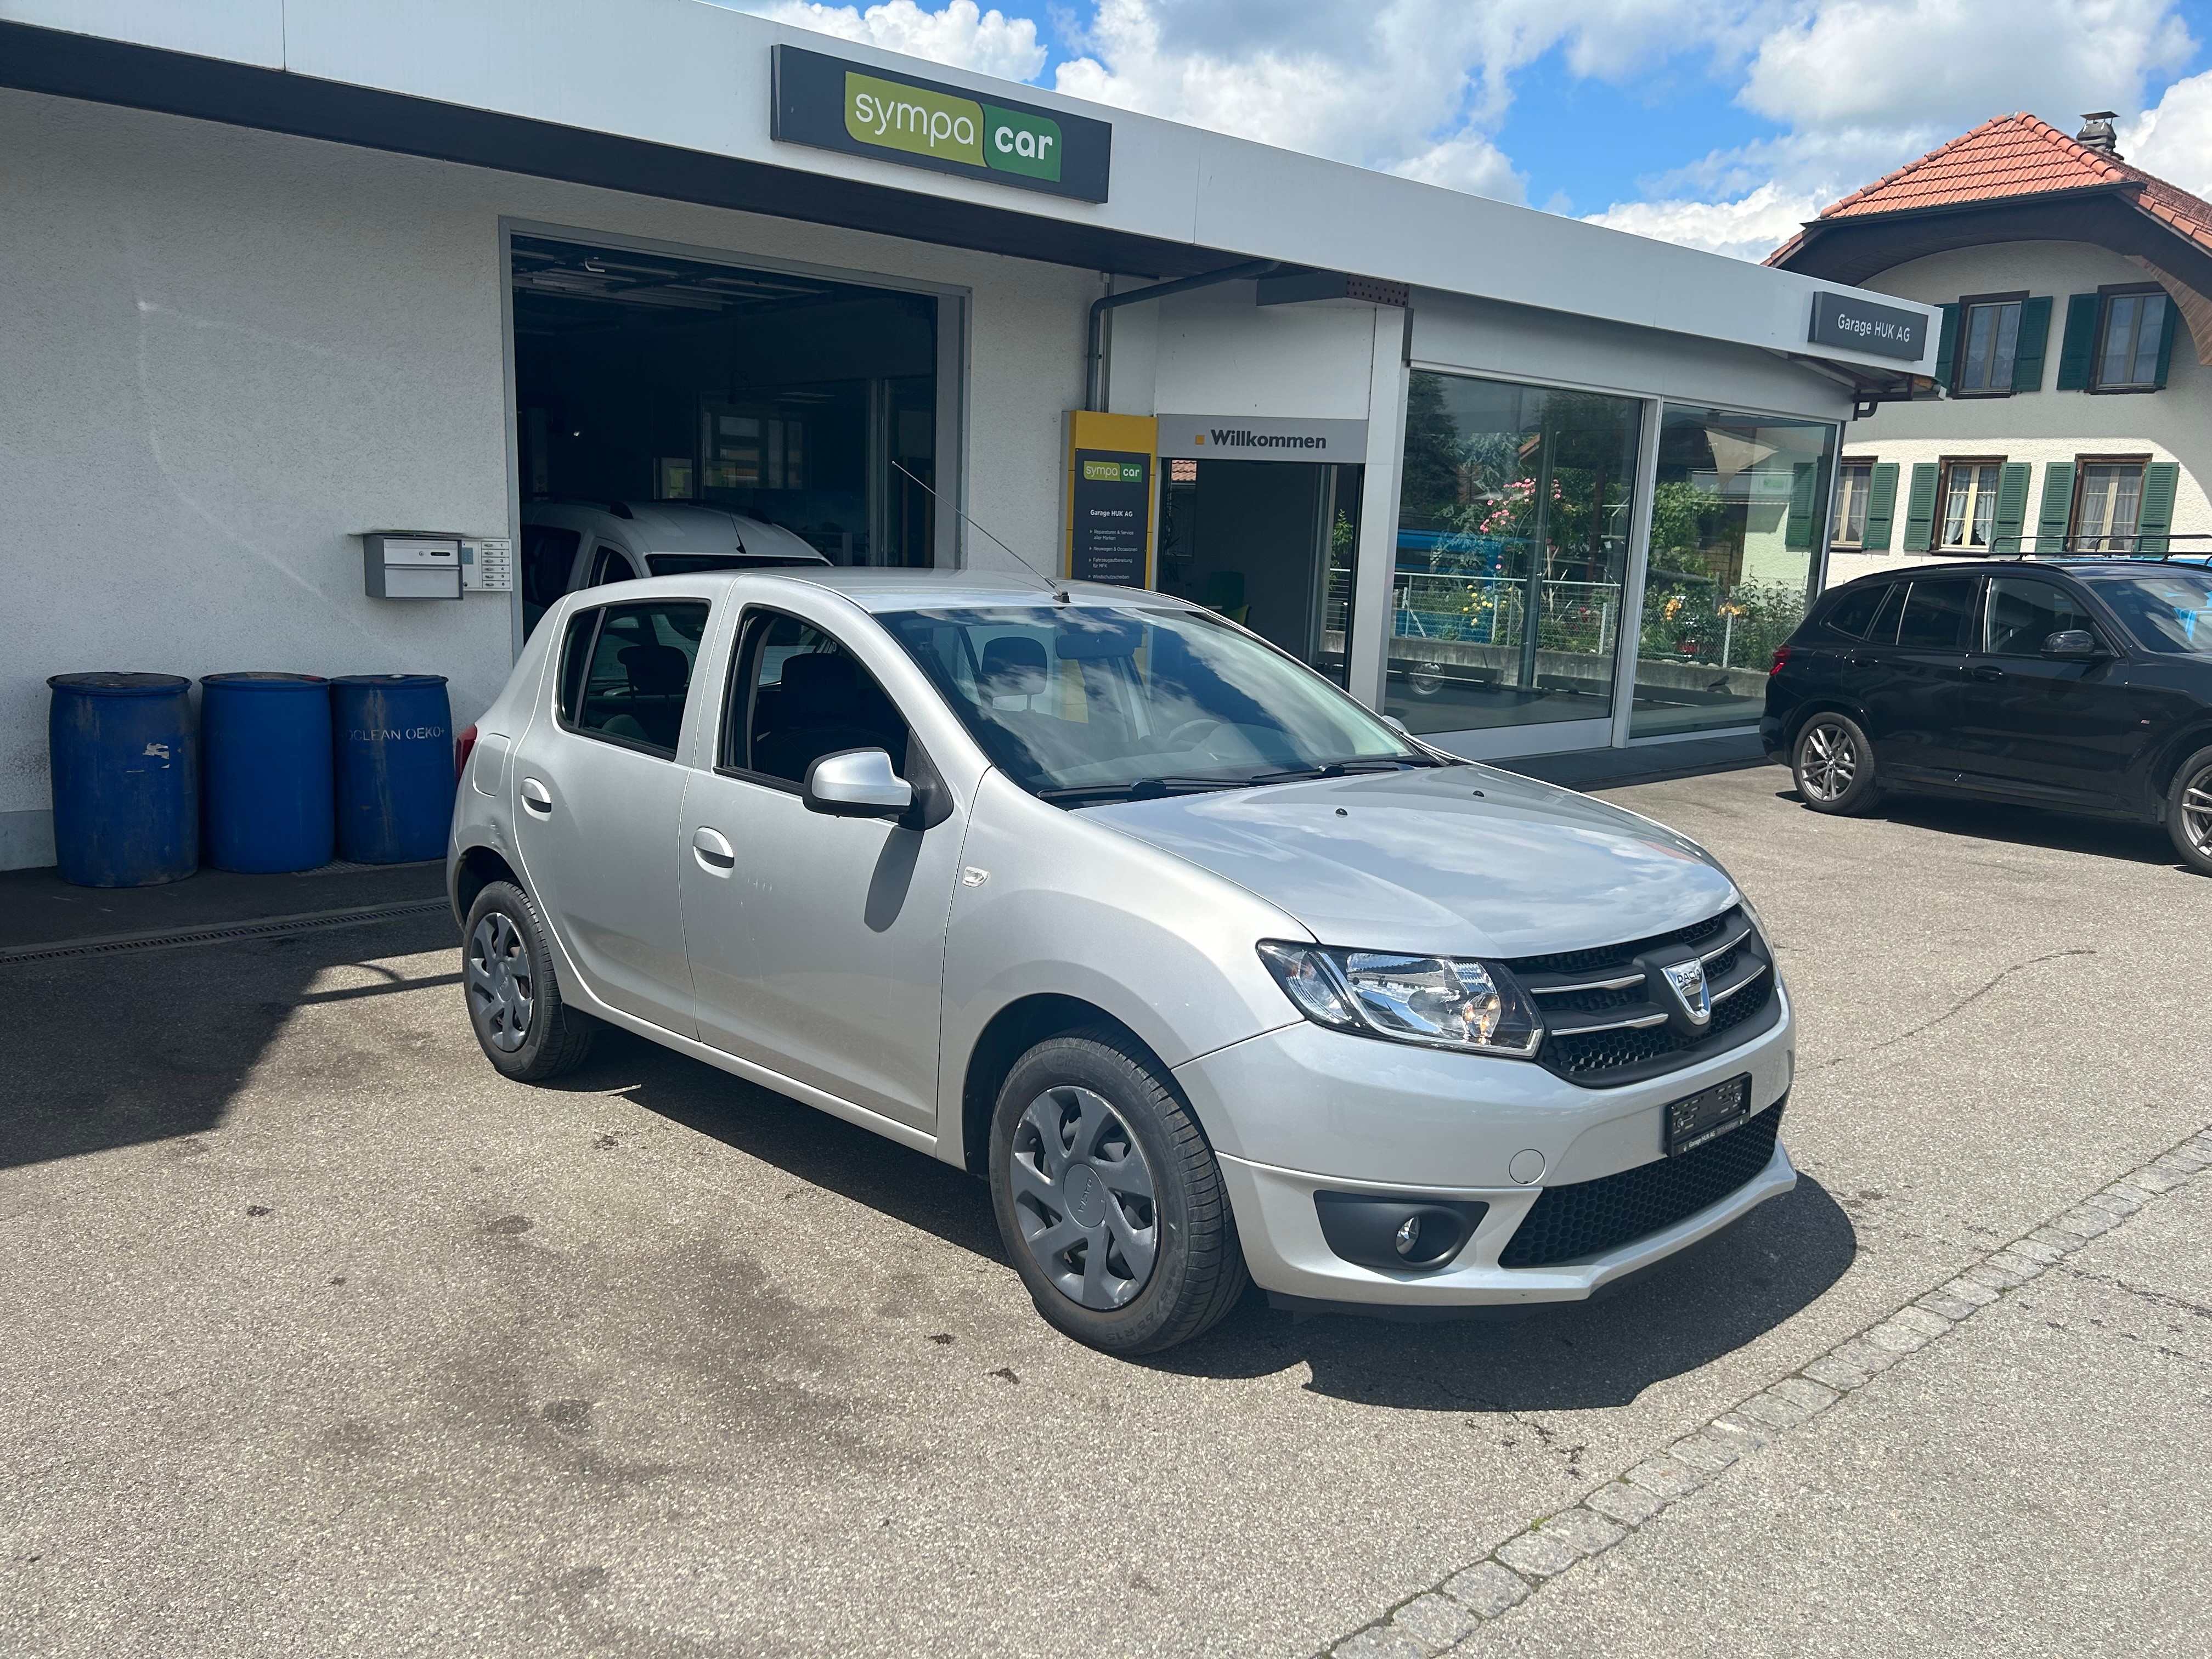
point(1461, 860)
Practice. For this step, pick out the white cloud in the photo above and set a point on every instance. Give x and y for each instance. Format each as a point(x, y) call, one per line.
point(1750, 228)
point(988, 42)
point(1468, 162)
point(2174, 140)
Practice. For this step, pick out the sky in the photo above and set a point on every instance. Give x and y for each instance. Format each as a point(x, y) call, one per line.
point(1720, 123)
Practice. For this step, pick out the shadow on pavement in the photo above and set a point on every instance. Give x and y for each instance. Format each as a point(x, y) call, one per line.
point(1680, 1315)
point(2027, 826)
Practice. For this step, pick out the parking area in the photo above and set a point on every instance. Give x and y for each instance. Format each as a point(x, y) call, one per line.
point(325, 1338)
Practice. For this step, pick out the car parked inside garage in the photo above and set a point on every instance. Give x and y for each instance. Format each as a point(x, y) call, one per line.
point(572, 545)
point(2080, 684)
point(1208, 970)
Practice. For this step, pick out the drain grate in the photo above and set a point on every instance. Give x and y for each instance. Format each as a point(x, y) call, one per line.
point(309, 922)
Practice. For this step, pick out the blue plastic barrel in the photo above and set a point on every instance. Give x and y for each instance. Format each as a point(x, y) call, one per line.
point(265, 771)
point(394, 737)
point(126, 784)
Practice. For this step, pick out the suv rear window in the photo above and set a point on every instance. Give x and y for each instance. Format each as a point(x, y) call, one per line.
point(1854, 609)
point(1936, 615)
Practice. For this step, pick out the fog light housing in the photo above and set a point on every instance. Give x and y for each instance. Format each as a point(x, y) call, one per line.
point(1396, 1235)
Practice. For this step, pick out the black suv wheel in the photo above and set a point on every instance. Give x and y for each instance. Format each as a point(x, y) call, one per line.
point(1833, 765)
point(2189, 812)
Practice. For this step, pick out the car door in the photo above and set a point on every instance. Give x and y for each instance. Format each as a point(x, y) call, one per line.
point(2062, 728)
point(818, 943)
point(1913, 678)
point(599, 796)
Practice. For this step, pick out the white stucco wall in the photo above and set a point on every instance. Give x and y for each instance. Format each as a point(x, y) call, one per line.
point(2174, 424)
point(227, 351)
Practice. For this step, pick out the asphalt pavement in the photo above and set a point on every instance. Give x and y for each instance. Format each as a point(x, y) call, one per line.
point(323, 1338)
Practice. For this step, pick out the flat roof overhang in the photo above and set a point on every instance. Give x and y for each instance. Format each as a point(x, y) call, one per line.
point(103, 72)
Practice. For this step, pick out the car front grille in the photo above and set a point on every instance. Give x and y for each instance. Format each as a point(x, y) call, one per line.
point(1607, 1022)
point(1589, 1218)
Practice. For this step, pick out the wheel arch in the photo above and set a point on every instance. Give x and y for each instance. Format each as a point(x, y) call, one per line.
point(475, 869)
point(1012, 1032)
point(2170, 757)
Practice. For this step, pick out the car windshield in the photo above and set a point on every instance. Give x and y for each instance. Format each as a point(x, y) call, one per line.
point(2164, 612)
point(1083, 703)
point(689, 564)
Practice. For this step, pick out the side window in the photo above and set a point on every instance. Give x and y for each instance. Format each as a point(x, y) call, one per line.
point(797, 694)
point(549, 553)
point(1935, 615)
point(610, 565)
point(2023, 614)
point(1855, 611)
point(625, 670)
point(1884, 631)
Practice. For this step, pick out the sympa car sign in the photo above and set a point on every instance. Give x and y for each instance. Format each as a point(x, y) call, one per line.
point(831, 103)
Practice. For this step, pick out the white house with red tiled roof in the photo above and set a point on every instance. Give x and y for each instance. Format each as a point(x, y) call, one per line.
point(2073, 403)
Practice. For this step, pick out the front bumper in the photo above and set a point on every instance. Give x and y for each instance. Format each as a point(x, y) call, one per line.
point(1303, 1109)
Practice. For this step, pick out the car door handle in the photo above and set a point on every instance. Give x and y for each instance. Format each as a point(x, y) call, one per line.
point(1984, 672)
point(536, 797)
point(713, 850)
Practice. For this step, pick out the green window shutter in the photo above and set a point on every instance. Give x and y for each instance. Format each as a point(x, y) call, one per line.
point(2079, 343)
point(1947, 346)
point(2057, 514)
point(1920, 508)
point(2155, 517)
point(2166, 342)
point(1797, 533)
point(2035, 336)
point(2012, 506)
point(1881, 507)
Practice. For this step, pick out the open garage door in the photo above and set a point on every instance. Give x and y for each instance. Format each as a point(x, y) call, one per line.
point(789, 399)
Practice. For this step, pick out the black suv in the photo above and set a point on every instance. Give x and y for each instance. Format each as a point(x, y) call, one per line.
point(2083, 684)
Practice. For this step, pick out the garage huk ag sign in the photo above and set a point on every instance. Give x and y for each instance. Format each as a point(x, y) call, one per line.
point(833, 104)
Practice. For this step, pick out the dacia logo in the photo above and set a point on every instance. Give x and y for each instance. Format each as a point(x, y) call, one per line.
point(1687, 981)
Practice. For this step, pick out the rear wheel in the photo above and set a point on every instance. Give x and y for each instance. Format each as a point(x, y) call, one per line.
point(524, 1028)
point(1109, 1198)
point(2189, 812)
point(1833, 765)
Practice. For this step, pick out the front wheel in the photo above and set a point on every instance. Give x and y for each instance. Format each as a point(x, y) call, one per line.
point(2189, 812)
point(1109, 1198)
point(1833, 765)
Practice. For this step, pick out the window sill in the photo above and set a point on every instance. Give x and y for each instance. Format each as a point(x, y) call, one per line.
point(2121, 391)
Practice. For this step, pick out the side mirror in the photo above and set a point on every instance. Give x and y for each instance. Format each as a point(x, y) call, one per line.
point(856, 783)
point(2075, 642)
point(1397, 725)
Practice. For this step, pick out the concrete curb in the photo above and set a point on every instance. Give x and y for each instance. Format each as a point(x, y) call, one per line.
point(1439, 1618)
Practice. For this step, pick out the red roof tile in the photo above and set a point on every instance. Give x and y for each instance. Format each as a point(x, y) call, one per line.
point(2014, 155)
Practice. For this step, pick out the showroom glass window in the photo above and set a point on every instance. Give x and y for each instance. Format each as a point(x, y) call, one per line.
point(1512, 553)
point(1735, 522)
point(2128, 339)
point(2107, 504)
point(1854, 480)
point(1969, 506)
point(1988, 338)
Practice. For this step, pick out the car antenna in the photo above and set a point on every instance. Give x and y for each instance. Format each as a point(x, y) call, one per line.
point(1058, 592)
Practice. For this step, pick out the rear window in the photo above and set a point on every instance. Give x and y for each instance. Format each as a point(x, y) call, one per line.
point(1853, 611)
point(625, 670)
point(1936, 615)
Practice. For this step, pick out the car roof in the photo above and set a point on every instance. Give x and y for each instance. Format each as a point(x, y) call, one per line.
point(651, 527)
point(880, 590)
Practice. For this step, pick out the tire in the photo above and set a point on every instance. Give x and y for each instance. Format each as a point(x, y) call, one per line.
point(514, 1004)
point(1833, 766)
point(1086, 1102)
point(2189, 812)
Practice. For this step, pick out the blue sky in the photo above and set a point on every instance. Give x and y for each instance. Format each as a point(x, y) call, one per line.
point(1718, 123)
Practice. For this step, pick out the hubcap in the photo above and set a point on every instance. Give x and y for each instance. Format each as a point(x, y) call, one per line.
point(499, 982)
point(2196, 811)
point(1828, 761)
point(1083, 1195)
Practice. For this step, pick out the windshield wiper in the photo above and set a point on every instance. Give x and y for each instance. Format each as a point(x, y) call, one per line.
point(1338, 769)
point(1140, 789)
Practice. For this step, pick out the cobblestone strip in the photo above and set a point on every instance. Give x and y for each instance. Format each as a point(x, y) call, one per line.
point(1440, 1618)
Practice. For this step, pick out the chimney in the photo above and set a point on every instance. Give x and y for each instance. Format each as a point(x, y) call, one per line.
point(2097, 132)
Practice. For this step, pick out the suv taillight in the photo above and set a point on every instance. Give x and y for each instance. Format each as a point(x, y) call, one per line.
point(1781, 656)
point(462, 746)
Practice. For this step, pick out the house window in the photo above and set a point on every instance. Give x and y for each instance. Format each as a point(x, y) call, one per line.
point(1969, 506)
point(2127, 337)
point(1988, 338)
point(1853, 480)
point(2108, 502)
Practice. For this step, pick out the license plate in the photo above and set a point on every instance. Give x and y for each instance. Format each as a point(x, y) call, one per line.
point(1708, 1115)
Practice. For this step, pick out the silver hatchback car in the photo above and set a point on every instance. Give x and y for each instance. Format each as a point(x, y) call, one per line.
point(1215, 977)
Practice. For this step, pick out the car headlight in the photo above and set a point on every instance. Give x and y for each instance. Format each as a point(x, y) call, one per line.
point(1441, 1002)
